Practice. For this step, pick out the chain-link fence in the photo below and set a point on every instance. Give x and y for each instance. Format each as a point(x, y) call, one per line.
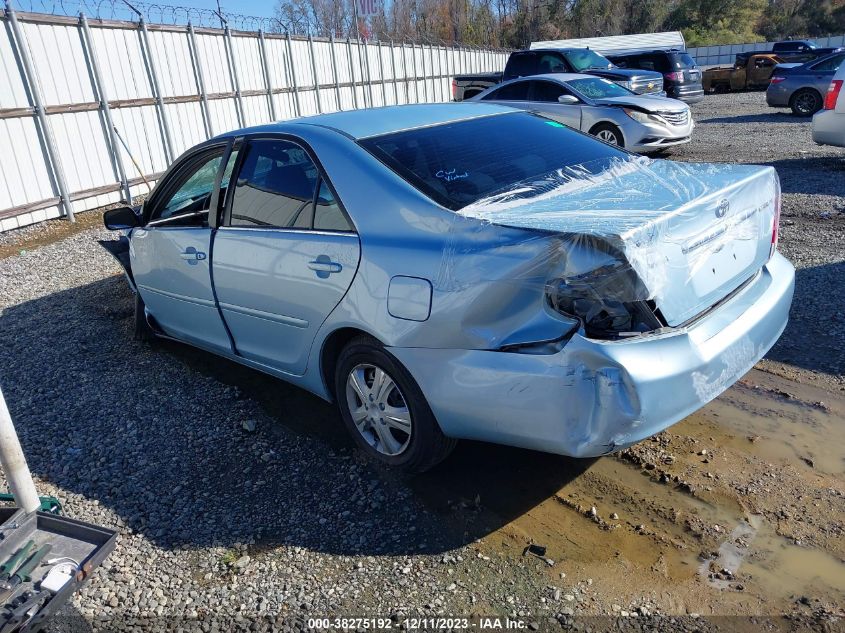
point(96, 102)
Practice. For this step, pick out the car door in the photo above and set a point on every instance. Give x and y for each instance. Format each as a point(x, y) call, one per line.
point(170, 253)
point(285, 254)
point(544, 97)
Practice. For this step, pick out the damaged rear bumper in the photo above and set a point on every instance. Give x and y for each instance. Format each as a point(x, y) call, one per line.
point(595, 397)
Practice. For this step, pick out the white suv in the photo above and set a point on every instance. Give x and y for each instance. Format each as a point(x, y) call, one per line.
point(829, 123)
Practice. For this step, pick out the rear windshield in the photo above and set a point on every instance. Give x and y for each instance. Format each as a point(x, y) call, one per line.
point(683, 60)
point(456, 164)
point(586, 59)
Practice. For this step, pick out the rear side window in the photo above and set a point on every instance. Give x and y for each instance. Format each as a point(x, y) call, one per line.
point(275, 186)
point(517, 91)
point(683, 60)
point(456, 164)
point(831, 63)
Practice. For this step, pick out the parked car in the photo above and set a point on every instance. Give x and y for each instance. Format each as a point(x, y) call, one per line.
point(564, 60)
point(681, 75)
point(802, 87)
point(749, 72)
point(829, 123)
point(600, 107)
point(801, 51)
point(450, 271)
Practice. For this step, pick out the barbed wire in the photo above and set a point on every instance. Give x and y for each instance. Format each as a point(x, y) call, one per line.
point(155, 13)
point(176, 15)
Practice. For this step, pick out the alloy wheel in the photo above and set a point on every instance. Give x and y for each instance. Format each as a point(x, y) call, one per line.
point(378, 409)
point(805, 103)
point(608, 137)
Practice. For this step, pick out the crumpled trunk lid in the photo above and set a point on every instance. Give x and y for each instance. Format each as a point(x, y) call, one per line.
point(692, 232)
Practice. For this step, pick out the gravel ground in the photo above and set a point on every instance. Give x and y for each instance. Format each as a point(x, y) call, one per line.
point(219, 525)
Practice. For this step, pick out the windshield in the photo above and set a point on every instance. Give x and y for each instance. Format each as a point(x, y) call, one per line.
point(597, 88)
point(587, 59)
point(456, 164)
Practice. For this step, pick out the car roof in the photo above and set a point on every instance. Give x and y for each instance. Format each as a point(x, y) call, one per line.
point(368, 122)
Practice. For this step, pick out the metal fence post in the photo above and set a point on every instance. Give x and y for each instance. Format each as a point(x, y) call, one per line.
point(266, 68)
point(233, 70)
point(200, 79)
point(416, 73)
point(424, 74)
point(393, 73)
point(293, 76)
point(165, 124)
point(369, 74)
point(381, 75)
point(435, 79)
point(449, 51)
point(405, 75)
point(31, 82)
point(13, 463)
point(440, 74)
point(103, 98)
point(352, 72)
point(314, 74)
point(334, 72)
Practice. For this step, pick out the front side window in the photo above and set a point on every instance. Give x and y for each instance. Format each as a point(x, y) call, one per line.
point(551, 63)
point(275, 186)
point(192, 196)
point(458, 163)
point(547, 91)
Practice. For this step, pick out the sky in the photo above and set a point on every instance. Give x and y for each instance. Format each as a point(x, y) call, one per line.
point(261, 8)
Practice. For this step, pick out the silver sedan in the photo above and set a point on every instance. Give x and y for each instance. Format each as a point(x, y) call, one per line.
point(463, 271)
point(640, 123)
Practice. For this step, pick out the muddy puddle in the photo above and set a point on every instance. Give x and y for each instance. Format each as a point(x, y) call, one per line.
point(696, 542)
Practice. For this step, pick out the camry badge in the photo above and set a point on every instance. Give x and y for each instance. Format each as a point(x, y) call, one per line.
point(723, 208)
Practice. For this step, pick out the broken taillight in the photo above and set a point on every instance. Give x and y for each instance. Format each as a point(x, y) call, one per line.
point(832, 94)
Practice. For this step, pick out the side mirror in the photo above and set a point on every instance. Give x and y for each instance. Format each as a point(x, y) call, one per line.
point(121, 218)
point(568, 99)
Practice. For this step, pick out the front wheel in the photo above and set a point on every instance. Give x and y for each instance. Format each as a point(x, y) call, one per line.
point(384, 409)
point(609, 134)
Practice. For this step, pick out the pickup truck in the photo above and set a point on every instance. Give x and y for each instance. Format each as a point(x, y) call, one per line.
point(750, 71)
point(800, 51)
point(562, 60)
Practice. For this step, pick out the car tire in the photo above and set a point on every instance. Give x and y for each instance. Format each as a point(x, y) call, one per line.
point(143, 331)
point(805, 102)
point(416, 449)
point(608, 133)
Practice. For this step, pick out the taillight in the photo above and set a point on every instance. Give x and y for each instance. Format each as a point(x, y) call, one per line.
point(776, 221)
point(832, 94)
point(678, 75)
point(454, 89)
point(777, 80)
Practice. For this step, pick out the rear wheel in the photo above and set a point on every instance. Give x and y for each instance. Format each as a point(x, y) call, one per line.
point(384, 409)
point(608, 133)
point(805, 102)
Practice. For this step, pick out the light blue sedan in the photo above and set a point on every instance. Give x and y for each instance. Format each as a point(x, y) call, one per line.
point(464, 271)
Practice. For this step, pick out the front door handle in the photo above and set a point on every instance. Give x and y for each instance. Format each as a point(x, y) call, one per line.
point(324, 266)
point(192, 256)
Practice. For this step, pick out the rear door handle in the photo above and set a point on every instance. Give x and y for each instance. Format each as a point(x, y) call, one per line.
point(325, 267)
point(192, 256)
